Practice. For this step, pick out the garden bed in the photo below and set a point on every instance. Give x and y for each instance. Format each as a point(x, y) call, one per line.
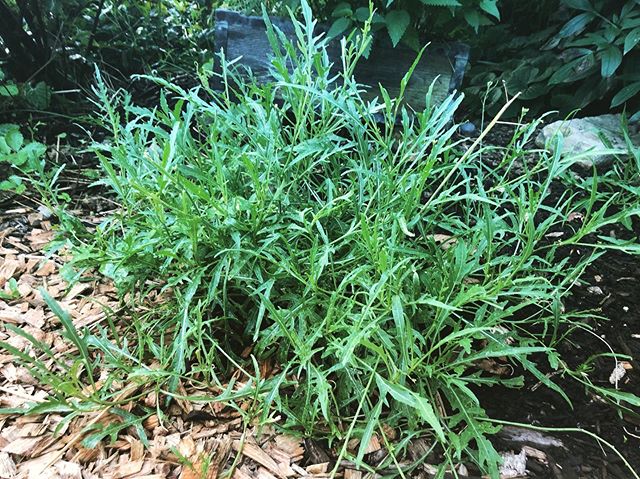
point(221, 437)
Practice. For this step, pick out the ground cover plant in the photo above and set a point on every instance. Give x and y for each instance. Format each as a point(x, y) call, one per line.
point(378, 266)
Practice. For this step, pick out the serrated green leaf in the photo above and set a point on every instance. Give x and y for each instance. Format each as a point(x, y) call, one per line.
point(397, 22)
point(491, 7)
point(473, 19)
point(611, 60)
point(625, 94)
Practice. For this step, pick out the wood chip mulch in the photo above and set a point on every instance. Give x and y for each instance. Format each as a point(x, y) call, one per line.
point(182, 445)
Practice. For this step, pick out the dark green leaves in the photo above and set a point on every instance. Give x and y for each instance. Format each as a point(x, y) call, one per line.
point(397, 22)
point(611, 59)
point(576, 25)
point(625, 94)
point(631, 40)
point(339, 26)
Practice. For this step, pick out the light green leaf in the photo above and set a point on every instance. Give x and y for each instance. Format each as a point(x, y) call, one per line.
point(490, 7)
point(14, 139)
point(4, 149)
point(8, 185)
point(9, 90)
point(421, 404)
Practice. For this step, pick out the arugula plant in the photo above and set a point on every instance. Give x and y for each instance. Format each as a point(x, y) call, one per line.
point(375, 266)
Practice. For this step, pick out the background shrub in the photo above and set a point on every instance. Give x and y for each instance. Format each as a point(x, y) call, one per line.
point(563, 55)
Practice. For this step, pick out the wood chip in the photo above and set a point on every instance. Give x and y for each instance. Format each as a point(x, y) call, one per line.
point(254, 452)
point(239, 473)
point(68, 470)
point(46, 269)
point(352, 474)
point(318, 468)
point(23, 446)
point(7, 466)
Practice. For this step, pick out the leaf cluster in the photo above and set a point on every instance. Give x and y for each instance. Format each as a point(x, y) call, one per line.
point(581, 53)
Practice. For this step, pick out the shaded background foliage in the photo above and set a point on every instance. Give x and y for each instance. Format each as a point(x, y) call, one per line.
point(562, 54)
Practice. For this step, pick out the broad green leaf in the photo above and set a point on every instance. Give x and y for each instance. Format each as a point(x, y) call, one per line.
point(31, 151)
point(566, 73)
point(8, 185)
point(441, 3)
point(362, 15)
point(625, 94)
point(4, 149)
point(611, 60)
point(38, 96)
point(475, 19)
point(631, 40)
point(343, 9)
point(9, 89)
point(578, 4)
point(397, 22)
point(575, 25)
point(14, 139)
point(338, 27)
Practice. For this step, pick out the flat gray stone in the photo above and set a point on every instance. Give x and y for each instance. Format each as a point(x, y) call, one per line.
point(585, 136)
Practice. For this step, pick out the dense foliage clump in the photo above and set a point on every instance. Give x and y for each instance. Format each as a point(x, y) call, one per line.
point(376, 265)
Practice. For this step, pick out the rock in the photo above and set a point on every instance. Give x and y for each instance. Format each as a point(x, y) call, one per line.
point(582, 135)
point(467, 128)
point(513, 465)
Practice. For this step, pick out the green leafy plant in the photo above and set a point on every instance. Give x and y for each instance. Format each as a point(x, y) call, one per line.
point(375, 265)
point(22, 156)
point(404, 19)
point(586, 52)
